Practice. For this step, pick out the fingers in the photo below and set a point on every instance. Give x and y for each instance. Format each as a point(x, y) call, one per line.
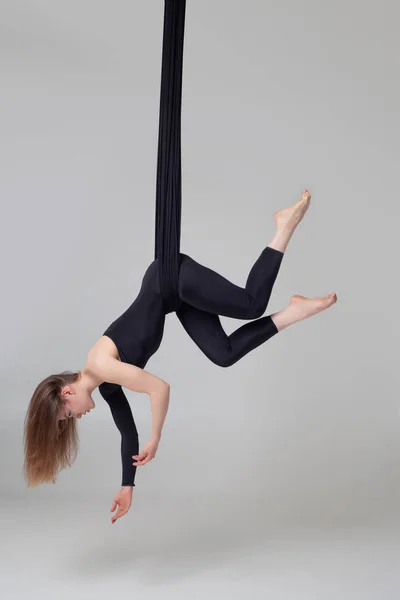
point(120, 513)
point(140, 456)
point(142, 459)
point(140, 463)
point(145, 456)
point(113, 506)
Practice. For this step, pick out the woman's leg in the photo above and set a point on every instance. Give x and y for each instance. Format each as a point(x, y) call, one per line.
point(208, 291)
point(224, 350)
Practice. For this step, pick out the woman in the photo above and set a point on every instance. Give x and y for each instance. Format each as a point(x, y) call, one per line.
point(118, 358)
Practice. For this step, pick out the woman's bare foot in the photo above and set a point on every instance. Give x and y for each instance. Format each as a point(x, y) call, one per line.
point(287, 220)
point(301, 308)
point(306, 307)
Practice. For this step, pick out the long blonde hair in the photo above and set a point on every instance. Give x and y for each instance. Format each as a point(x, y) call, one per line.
point(50, 444)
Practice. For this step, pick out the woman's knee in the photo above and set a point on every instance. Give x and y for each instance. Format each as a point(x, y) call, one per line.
point(255, 309)
point(223, 360)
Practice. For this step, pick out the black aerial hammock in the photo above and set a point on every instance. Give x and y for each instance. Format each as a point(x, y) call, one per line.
point(169, 172)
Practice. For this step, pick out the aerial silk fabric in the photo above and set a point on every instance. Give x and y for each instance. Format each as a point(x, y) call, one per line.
point(169, 163)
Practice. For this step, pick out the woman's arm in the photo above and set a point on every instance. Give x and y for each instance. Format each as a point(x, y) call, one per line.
point(113, 375)
point(133, 378)
point(123, 418)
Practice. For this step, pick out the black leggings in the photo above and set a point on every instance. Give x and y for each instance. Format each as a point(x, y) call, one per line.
point(206, 295)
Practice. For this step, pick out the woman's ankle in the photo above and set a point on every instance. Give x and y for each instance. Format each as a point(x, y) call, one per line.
point(281, 240)
point(283, 318)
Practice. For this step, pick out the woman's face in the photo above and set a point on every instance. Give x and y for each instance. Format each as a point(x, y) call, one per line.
point(77, 402)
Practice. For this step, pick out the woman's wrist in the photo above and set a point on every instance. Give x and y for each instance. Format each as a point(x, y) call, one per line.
point(127, 487)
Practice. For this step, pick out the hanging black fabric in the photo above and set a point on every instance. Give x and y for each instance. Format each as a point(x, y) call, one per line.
point(169, 177)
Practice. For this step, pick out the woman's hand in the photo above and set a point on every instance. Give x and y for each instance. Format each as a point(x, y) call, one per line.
point(147, 454)
point(123, 499)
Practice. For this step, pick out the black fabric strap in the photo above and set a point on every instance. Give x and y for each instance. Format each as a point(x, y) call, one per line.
point(169, 178)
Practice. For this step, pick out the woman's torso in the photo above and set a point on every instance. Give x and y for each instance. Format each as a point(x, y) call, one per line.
point(137, 333)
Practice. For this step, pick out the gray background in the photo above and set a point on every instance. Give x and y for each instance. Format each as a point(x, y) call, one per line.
point(277, 477)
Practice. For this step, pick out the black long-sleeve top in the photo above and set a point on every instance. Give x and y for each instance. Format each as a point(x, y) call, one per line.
point(123, 418)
